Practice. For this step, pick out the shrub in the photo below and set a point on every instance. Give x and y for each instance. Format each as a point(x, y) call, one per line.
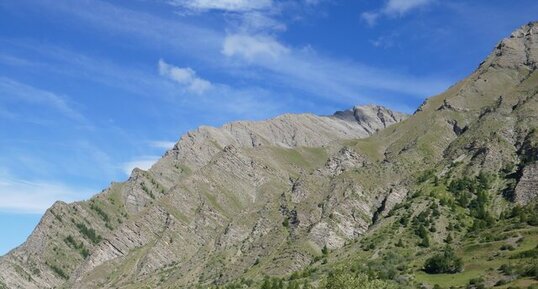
point(348, 280)
point(325, 251)
point(89, 233)
point(70, 241)
point(447, 262)
point(59, 271)
point(100, 212)
point(506, 247)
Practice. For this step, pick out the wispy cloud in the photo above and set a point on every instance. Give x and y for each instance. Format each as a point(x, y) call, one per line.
point(326, 77)
point(259, 21)
point(224, 5)
point(400, 7)
point(143, 163)
point(333, 79)
point(393, 8)
point(14, 91)
point(253, 46)
point(35, 196)
point(152, 30)
point(370, 17)
point(185, 76)
point(166, 145)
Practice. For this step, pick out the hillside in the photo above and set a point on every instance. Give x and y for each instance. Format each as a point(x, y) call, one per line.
point(444, 197)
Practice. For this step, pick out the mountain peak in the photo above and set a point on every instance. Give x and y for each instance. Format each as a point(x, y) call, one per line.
point(519, 50)
point(372, 117)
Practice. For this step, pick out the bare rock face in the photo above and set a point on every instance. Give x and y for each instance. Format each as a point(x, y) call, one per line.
point(371, 117)
point(520, 50)
point(527, 188)
point(345, 159)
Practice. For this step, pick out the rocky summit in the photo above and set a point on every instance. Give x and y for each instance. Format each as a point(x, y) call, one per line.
point(364, 198)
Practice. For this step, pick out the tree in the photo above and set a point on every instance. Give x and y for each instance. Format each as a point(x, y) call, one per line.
point(447, 262)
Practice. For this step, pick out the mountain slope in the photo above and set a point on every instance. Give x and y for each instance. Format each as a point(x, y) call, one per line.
point(208, 194)
point(318, 197)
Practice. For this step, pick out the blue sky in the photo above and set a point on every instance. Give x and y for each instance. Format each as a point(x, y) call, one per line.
point(90, 89)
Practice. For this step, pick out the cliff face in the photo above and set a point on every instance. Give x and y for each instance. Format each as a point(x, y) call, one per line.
point(256, 198)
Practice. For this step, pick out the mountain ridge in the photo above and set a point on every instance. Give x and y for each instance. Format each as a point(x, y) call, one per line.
point(267, 198)
point(193, 153)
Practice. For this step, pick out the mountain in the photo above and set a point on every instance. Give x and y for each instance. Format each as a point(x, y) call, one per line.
point(216, 193)
point(365, 197)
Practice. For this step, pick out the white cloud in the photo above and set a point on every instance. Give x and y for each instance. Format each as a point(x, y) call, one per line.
point(224, 5)
point(143, 163)
point(401, 7)
point(184, 76)
point(323, 76)
point(370, 17)
point(23, 196)
point(334, 79)
point(163, 144)
point(393, 8)
point(259, 22)
point(251, 47)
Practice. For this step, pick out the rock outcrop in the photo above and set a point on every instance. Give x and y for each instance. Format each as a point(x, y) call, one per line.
point(527, 187)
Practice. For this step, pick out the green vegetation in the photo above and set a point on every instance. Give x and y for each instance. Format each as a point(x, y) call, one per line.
point(447, 262)
point(59, 271)
point(89, 233)
point(79, 246)
point(94, 206)
point(349, 280)
point(148, 191)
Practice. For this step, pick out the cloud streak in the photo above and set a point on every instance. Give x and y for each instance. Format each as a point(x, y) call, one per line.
point(34, 197)
point(329, 78)
point(394, 8)
point(223, 5)
point(250, 47)
point(15, 91)
point(166, 145)
point(255, 54)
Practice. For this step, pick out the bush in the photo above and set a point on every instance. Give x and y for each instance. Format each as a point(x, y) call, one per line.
point(447, 262)
point(89, 233)
point(70, 241)
point(325, 250)
point(507, 247)
point(100, 212)
point(348, 280)
point(59, 271)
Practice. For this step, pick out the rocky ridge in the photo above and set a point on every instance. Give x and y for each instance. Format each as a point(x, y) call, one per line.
point(189, 197)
